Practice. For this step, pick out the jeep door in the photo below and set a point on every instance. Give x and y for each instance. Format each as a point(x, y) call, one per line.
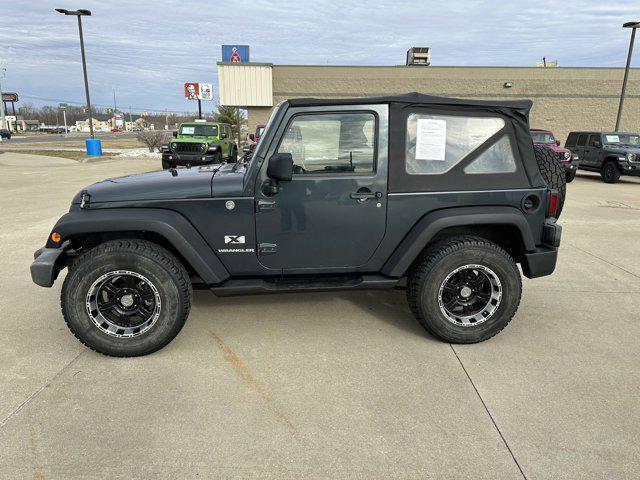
point(592, 155)
point(332, 215)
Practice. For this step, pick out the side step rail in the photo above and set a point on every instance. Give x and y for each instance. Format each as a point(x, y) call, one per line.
point(303, 284)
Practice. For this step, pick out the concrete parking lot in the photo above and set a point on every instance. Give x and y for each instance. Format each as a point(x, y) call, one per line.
point(327, 385)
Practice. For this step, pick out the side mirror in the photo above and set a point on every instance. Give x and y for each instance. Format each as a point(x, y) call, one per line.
point(252, 137)
point(597, 144)
point(558, 143)
point(223, 136)
point(175, 134)
point(280, 167)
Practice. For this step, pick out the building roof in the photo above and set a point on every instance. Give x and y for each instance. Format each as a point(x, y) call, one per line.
point(414, 98)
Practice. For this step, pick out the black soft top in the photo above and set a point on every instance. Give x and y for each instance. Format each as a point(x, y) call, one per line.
point(414, 98)
point(516, 111)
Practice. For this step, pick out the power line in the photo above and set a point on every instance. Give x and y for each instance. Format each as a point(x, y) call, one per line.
point(60, 100)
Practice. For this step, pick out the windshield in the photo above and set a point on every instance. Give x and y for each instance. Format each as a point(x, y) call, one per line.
point(199, 130)
point(629, 139)
point(542, 137)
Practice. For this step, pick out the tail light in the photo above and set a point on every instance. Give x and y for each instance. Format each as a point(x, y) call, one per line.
point(553, 202)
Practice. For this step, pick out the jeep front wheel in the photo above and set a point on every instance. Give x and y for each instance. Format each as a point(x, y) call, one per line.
point(126, 298)
point(610, 172)
point(464, 290)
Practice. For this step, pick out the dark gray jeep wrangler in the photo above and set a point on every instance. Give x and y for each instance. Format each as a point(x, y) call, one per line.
point(339, 194)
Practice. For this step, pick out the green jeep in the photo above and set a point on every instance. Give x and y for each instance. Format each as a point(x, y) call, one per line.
point(198, 143)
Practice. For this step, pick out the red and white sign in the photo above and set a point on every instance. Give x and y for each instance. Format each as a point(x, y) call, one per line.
point(191, 91)
point(235, 57)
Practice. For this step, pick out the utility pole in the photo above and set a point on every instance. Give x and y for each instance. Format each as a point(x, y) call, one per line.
point(115, 104)
point(4, 118)
point(632, 26)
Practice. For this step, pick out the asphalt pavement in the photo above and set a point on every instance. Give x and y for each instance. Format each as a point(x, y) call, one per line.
point(327, 385)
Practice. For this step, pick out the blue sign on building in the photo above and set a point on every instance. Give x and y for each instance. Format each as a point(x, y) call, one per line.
point(235, 53)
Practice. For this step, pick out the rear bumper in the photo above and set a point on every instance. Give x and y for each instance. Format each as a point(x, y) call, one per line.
point(46, 265)
point(542, 261)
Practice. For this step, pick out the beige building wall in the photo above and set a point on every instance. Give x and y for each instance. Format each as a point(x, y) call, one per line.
point(565, 99)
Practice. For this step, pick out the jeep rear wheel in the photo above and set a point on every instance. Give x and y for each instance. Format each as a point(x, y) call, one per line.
point(126, 298)
point(552, 172)
point(610, 172)
point(464, 290)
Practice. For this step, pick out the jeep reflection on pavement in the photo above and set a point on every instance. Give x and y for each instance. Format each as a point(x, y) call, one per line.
point(569, 160)
point(198, 143)
point(611, 154)
point(448, 195)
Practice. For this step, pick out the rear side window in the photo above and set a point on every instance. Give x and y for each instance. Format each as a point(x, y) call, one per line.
point(498, 158)
point(582, 140)
point(571, 140)
point(436, 143)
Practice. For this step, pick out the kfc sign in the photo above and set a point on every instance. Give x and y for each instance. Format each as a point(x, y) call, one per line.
point(198, 91)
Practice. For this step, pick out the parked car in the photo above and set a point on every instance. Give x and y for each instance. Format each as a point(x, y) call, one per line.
point(5, 134)
point(199, 143)
point(255, 137)
point(448, 194)
point(612, 154)
point(569, 160)
point(116, 130)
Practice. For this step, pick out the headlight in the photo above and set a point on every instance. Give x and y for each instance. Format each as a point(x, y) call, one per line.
point(204, 147)
point(173, 147)
point(567, 155)
point(631, 157)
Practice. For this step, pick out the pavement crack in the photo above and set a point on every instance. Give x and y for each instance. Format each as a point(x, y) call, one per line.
point(504, 440)
point(251, 381)
point(604, 260)
point(35, 394)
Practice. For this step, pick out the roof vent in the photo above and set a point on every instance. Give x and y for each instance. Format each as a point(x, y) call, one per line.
point(419, 56)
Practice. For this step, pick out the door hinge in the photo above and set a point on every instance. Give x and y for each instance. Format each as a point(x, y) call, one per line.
point(267, 248)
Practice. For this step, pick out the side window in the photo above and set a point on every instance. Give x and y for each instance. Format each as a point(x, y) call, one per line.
point(331, 143)
point(496, 159)
point(436, 143)
point(593, 138)
point(571, 140)
point(582, 140)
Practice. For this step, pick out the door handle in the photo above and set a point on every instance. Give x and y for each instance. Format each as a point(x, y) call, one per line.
point(364, 195)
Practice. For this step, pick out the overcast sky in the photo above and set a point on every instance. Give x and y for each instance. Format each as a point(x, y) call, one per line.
point(147, 49)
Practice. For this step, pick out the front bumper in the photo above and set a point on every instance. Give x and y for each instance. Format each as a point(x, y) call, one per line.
point(630, 168)
point(188, 158)
point(47, 263)
point(571, 166)
point(542, 261)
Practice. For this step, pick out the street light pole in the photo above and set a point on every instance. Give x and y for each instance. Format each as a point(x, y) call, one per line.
point(79, 14)
point(632, 26)
point(4, 118)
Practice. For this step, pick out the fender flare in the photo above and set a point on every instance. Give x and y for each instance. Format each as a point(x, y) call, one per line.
point(172, 226)
point(431, 224)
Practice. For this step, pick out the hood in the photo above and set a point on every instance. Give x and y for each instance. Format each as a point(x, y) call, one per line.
point(554, 147)
point(183, 183)
point(622, 150)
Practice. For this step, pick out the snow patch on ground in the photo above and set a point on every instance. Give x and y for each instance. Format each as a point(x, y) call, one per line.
point(139, 152)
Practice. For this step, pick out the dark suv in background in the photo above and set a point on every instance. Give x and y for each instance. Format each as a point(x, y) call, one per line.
point(610, 153)
point(569, 160)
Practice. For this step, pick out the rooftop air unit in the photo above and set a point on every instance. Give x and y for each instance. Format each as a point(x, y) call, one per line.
point(419, 56)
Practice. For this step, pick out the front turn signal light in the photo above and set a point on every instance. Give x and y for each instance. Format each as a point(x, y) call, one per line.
point(55, 237)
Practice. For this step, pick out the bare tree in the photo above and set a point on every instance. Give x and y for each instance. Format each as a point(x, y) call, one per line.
point(153, 139)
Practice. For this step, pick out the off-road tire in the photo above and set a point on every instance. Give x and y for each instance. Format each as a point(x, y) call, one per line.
point(166, 165)
point(552, 172)
point(234, 155)
point(152, 261)
point(217, 157)
point(571, 176)
point(610, 172)
point(432, 268)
